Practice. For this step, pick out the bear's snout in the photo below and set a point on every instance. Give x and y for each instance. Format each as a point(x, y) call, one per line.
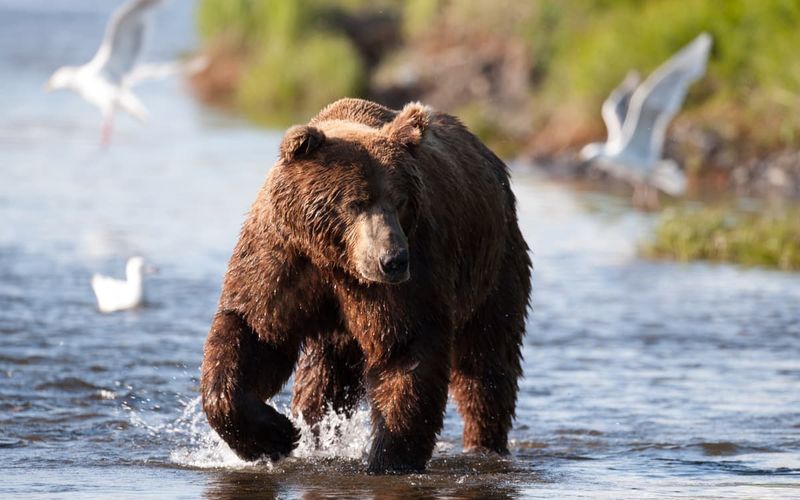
point(381, 249)
point(394, 265)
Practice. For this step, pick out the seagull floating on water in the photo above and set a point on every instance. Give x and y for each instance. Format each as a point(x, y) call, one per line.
point(636, 117)
point(106, 80)
point(117, 295)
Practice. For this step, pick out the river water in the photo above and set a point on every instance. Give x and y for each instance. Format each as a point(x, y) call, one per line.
point(642, 379)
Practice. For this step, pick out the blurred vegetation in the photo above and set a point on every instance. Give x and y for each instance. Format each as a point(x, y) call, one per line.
point(294, 61)
point(528, 76)
point(277, 88)
point(770, 239)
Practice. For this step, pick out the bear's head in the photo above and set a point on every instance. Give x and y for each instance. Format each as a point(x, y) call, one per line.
point(348, 195)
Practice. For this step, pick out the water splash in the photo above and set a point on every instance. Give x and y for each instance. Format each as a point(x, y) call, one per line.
point(199, 446)
point(336, 436)
point(205, 449)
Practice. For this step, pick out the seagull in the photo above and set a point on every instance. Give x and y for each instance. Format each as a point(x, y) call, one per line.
point(104, 81)
point(636, 117)
point(117, 295)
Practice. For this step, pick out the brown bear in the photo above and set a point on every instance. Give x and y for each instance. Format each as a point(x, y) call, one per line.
point(382, 257)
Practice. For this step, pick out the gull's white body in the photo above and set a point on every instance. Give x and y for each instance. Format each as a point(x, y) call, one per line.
point(637, 116)
point(107, 96)
point(104, 81)
point(117, 295)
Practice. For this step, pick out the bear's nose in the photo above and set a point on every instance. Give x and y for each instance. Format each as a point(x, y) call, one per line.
point(395, 262)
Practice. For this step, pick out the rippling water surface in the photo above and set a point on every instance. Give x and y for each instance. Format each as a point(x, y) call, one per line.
point(641, 378)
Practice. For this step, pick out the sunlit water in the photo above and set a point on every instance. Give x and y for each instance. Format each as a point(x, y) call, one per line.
point(641, 379)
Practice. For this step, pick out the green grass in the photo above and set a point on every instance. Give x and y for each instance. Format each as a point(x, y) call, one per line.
point(768, 239)
point(282, 87)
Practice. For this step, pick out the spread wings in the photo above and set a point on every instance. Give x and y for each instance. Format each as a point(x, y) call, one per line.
point(615, 107)
point(124, 39)
point(656, 101)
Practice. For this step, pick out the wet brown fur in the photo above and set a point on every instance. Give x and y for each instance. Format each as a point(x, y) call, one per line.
point(293, 296)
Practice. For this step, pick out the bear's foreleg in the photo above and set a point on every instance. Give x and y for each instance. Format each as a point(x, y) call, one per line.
point(408, 396)
point(239, 372)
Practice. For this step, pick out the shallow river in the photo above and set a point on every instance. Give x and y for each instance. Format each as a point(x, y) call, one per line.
point(641, 379)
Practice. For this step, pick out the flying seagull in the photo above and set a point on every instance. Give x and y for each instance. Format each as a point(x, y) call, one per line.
point(105, 80)
point(117, 295)
point(636, 117)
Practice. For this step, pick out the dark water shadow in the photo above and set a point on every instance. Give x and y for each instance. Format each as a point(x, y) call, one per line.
point(452, 478)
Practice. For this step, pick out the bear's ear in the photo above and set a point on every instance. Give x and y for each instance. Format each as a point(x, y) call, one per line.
point(299, 141)
point(409, 125)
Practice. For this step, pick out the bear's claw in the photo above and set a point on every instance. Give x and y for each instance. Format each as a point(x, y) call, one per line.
point(261, 431)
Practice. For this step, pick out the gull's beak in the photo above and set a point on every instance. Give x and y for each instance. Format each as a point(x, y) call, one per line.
point(150, 270)
point(48, 86)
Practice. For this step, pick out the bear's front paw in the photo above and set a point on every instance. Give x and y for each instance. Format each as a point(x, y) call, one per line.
point(393, 455)
point(258, 430)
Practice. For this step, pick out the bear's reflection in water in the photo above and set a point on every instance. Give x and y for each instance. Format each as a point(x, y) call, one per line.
point(466, 476)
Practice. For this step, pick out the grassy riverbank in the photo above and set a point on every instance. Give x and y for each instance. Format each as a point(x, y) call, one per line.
point(768, 238)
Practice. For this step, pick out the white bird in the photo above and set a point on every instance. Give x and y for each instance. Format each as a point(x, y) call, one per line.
point(117, 295)
point(103, 80)
point(636, 117)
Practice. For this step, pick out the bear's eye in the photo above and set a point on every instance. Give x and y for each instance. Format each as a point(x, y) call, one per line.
point(357, 206)
point(402, 204)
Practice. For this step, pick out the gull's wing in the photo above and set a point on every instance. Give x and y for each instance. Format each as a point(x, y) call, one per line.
point(103, 283)
point(615, 107)
point(123, 40)
point(152, 71)
point(157, 71)
point(658, 100)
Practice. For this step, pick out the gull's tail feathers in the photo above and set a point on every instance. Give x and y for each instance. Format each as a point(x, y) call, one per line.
point(130, 103)
point(669, 178)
